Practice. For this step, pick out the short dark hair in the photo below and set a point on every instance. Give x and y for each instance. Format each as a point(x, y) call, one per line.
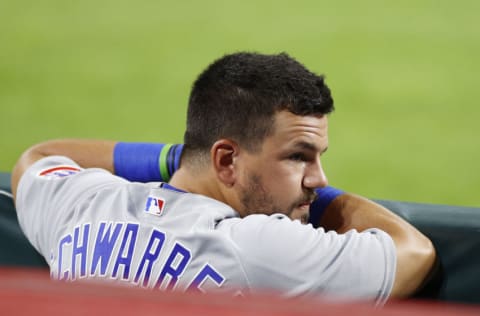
point(237, 96)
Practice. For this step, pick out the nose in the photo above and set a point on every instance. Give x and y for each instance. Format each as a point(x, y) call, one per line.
point(315, 177)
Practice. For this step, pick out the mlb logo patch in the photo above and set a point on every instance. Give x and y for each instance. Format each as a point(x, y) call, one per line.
point(155, 205)
point(59, 172)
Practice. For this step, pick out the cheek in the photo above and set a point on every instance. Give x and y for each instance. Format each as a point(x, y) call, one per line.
point(283, 180)
point(290, 172)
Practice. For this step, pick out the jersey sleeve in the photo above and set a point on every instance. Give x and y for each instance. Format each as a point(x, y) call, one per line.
point(278, 253)
point(50, 192)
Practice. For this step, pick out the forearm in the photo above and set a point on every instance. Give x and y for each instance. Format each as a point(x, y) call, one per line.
point(415, 252)
point(350, 211)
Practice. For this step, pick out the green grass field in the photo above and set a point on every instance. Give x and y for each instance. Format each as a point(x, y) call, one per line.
point(404, 76)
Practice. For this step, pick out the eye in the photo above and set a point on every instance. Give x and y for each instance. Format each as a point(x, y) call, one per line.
point(298, 157)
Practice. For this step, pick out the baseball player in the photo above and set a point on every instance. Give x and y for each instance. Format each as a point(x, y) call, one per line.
point(241, 212)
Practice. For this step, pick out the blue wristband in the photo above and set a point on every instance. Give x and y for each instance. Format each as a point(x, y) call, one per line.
point(173, 158)
point(146, 162)
point(325, 196)
point(177, 156)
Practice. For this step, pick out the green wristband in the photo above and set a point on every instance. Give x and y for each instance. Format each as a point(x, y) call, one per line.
point(162, 162)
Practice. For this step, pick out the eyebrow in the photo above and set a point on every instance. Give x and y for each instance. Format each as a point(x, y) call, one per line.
point(308, 146)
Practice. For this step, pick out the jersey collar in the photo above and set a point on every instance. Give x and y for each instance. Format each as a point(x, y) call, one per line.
point(167, 186)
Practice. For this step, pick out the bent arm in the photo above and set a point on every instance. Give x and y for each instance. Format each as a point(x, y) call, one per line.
point(415, 252)
point(87, 153)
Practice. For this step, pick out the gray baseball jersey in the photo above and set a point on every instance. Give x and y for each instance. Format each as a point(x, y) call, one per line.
point(90, 224)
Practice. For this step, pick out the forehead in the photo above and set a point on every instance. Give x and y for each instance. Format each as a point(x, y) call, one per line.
point(290, 128)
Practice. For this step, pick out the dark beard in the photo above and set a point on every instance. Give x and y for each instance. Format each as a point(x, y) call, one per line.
point(256, 200)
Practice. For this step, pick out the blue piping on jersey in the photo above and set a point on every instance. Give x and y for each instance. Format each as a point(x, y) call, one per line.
point(167, 186)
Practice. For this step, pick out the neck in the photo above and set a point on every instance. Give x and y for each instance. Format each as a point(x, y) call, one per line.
point(203, 182)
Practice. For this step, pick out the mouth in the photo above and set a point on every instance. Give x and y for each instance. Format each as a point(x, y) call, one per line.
point(308, 199)
point(301, 209)
point(305, 204)
point(304, 208)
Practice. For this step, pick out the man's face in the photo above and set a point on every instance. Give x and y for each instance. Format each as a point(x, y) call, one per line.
point(282, 175)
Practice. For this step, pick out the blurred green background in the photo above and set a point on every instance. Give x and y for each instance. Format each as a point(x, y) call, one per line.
point(404, 76)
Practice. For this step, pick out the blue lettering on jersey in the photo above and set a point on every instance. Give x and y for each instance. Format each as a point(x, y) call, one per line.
point(128, 240)
point(63, 243)
point(150, 255)
point(104, 247)
point(80, 250)
point(113, 247)
point(178, 253)
point(208, 272)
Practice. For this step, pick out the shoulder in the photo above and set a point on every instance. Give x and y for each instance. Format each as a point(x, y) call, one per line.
point(53, 167)
point(56, 177)
point(272, 235)
point(55, 182)
point(57, 169)
point(303, 258)
point(268, 238)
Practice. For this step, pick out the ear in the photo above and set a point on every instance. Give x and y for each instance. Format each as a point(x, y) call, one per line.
point(223, 154)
